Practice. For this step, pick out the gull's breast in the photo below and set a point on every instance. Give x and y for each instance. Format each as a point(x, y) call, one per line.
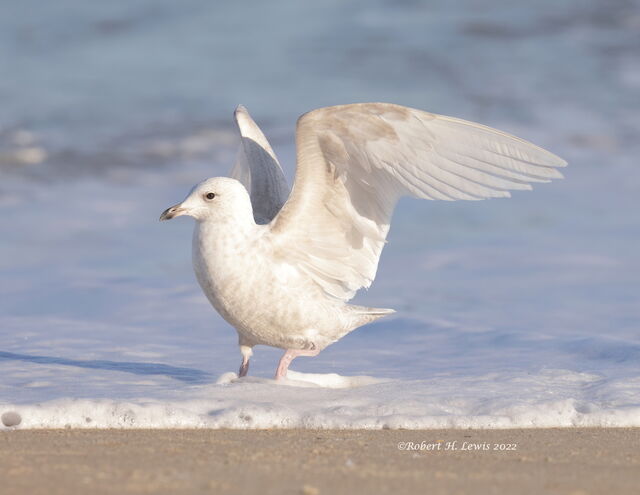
point(268, 301)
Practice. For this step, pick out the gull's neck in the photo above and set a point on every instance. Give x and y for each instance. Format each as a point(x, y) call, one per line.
point(219, 237)
point(241, 224)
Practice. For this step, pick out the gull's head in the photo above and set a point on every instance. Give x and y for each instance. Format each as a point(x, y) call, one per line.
point(216, 199)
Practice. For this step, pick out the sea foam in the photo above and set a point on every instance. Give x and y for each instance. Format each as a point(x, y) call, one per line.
point(340, 402)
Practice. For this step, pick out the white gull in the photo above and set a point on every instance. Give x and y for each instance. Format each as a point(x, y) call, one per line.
point(280, 266)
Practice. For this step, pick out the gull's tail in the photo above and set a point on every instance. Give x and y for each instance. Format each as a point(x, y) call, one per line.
point(363, 315)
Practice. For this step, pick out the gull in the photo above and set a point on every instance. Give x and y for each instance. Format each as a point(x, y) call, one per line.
point(280, 266)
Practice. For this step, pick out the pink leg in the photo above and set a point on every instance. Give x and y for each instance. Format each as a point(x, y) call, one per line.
point(246, 354)
point(290, 355)
point(244, 367)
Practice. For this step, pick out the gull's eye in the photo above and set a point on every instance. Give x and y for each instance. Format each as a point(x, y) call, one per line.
point(209, 196)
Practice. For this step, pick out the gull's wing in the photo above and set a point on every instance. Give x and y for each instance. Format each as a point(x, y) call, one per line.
point(356, 161)
point(257, 168)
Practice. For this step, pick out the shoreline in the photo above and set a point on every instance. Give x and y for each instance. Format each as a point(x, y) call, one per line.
point(575, 461)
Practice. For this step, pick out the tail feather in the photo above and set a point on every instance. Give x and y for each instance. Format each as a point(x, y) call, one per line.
point(367, 315)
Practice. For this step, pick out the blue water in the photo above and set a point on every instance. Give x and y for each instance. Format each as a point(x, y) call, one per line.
point(111, 111)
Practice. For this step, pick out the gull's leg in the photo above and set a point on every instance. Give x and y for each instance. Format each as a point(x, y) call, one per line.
point(290, 355)
point(246, 352)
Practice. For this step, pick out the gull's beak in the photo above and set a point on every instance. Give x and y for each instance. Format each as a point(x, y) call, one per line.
point(172, 212)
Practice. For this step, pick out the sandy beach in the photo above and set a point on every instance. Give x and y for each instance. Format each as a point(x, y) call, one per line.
point(576, 461)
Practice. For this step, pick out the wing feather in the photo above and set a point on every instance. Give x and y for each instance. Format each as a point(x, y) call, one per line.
point(258, 169)
point(356, 161)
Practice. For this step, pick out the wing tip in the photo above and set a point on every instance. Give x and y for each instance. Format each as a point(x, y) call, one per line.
point(242, 116)
point(557, 161)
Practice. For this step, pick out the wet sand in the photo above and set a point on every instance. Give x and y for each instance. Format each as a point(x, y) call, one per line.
point(574, 461)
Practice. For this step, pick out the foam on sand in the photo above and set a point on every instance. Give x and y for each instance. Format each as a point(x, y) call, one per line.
point(334, 401)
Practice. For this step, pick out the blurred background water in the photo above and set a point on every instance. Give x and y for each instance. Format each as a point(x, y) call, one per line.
point(111, 111)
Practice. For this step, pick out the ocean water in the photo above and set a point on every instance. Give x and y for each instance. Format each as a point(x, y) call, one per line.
point(510, 313)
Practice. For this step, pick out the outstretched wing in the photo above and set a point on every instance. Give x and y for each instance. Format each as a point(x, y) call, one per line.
point(257, 168)
point(356, 161)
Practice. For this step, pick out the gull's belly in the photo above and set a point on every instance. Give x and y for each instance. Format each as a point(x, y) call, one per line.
point(268, 303)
